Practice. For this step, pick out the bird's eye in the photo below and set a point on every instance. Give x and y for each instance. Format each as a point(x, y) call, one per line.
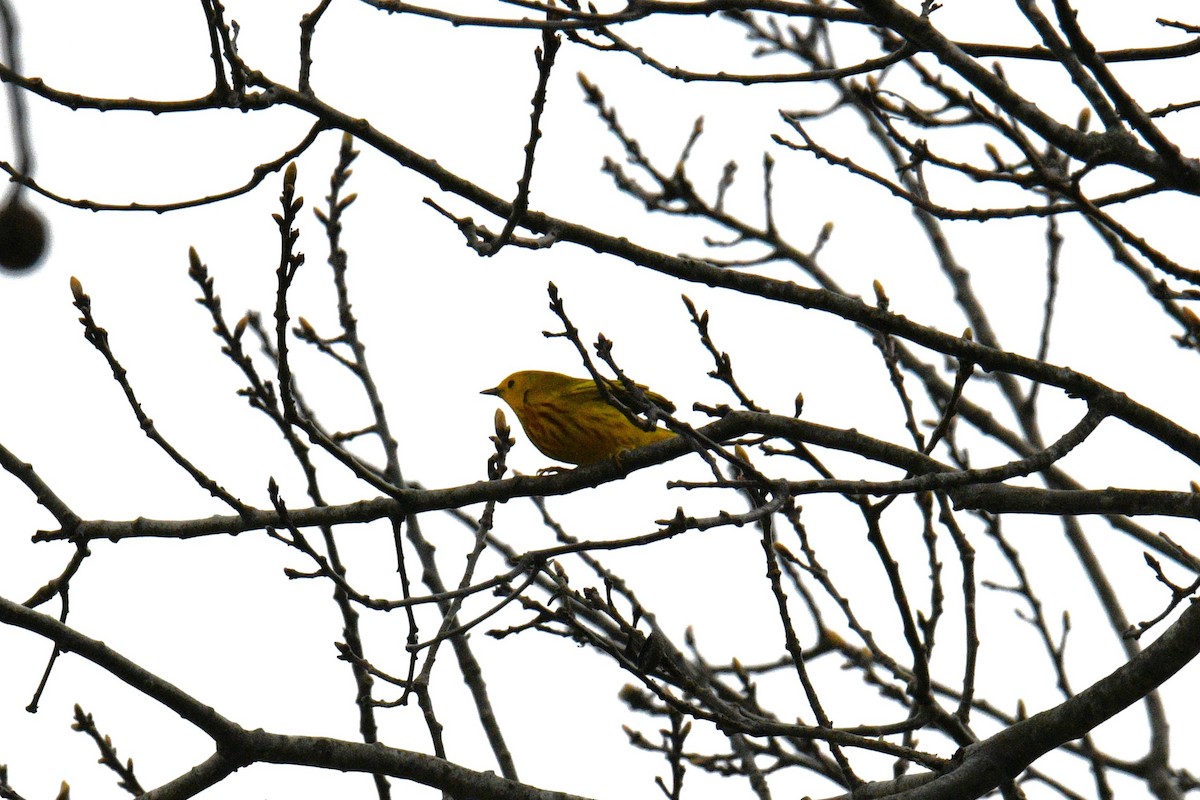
point(511, 384)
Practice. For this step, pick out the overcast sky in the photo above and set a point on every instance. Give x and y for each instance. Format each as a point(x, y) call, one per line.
point(218, 617)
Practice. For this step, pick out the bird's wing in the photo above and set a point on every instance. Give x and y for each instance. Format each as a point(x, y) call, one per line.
point(588, 390)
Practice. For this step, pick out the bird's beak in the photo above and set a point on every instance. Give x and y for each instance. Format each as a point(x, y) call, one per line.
point(494, 391)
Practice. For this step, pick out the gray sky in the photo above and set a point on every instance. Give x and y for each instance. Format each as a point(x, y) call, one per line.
point(219, 618)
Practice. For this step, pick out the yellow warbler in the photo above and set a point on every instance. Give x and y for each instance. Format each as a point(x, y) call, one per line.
point(568, 419)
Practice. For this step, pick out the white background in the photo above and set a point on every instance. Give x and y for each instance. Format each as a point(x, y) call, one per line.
point(218, 617)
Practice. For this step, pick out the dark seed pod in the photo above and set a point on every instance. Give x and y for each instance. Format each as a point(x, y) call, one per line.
point(22, 236)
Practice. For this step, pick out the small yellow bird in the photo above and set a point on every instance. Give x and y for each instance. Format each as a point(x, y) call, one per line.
point(568, 419)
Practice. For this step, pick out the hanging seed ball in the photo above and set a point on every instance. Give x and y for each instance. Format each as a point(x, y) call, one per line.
point(22, 236)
